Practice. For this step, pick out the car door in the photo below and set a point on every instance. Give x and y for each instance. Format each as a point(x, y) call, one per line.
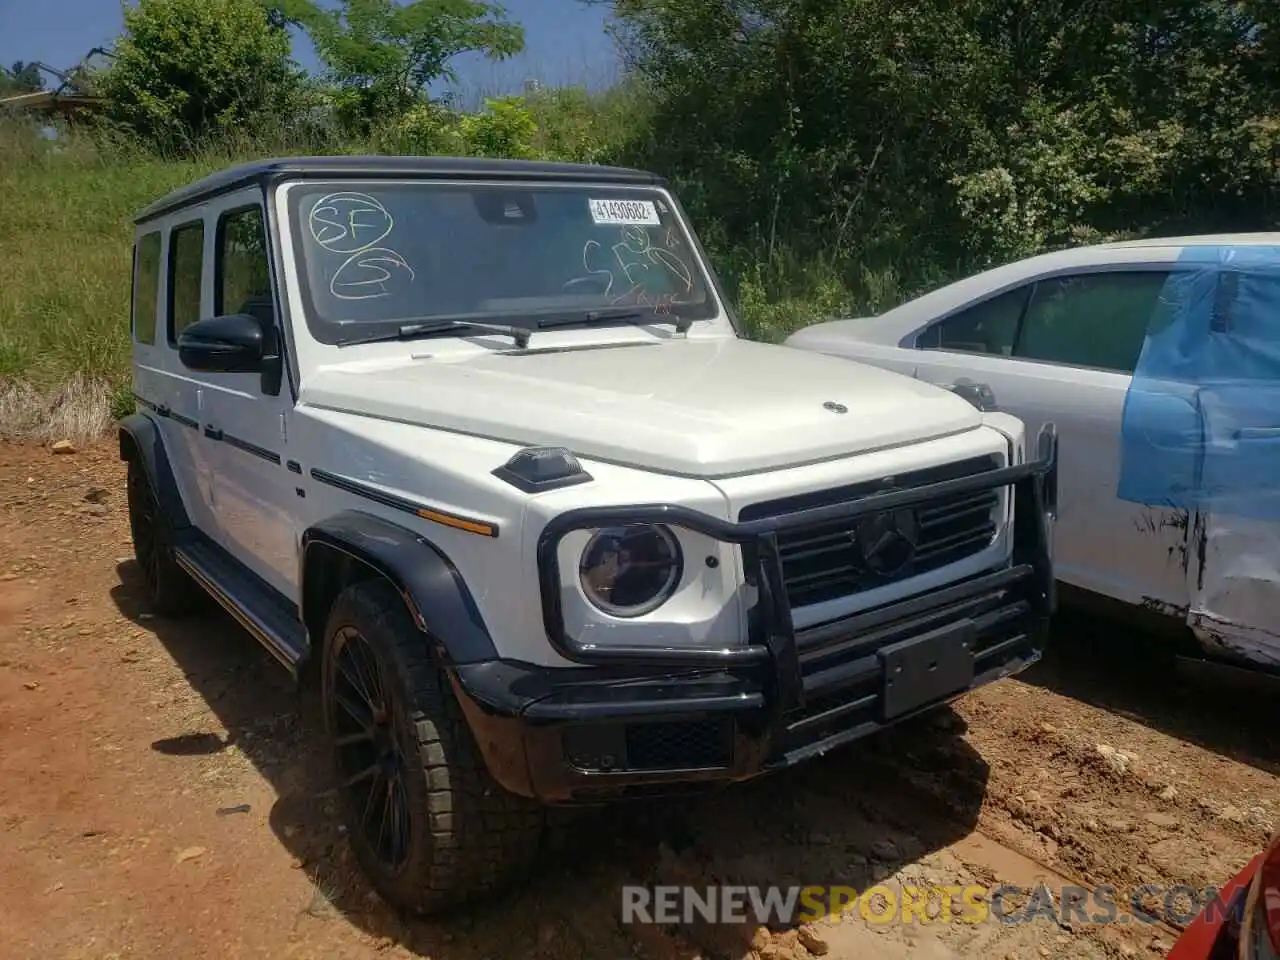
point(167, 386)
point(244, 426)
point(159, 381)
point(1202, 430)
point(1062, 348)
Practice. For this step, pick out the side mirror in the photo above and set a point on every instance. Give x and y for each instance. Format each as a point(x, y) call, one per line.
point(979, 394)
point(233, 343)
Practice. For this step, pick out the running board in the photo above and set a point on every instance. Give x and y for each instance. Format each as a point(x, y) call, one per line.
point(259, 608)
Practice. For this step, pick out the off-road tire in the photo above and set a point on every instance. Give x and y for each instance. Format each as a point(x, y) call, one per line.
point(170, 591)
point(467, 836)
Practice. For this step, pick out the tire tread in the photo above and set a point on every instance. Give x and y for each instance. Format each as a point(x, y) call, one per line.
point(481, 836)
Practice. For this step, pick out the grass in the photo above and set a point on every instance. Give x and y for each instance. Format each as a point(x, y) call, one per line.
point(65, 254)
point(66, 241)
point(65, 249)
point(82, 409)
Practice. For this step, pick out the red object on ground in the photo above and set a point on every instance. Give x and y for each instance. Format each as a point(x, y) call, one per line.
point(1269, 894)
point(1211, 935)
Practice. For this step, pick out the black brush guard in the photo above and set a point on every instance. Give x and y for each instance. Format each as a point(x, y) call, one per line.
point(785, 694)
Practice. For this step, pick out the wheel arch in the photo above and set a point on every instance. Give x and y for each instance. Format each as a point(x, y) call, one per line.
point(141, 441)
point(354, 545)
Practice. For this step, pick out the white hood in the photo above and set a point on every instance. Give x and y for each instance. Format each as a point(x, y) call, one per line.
point(703, 408)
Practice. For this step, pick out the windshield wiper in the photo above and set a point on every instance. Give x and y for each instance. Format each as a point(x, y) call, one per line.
point(620, 315)
point(427, 328)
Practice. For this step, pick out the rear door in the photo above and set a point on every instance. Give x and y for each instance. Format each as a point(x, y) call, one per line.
point(1063, 348)
point(1209, 398)
point(168, 281)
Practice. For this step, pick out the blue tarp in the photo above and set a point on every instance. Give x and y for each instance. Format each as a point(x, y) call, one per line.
point(1201, 423)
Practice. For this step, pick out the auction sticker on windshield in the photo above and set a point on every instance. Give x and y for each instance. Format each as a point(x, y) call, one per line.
point(624, 213)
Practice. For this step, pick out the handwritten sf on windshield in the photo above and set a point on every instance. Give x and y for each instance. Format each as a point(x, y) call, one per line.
point(352, 224)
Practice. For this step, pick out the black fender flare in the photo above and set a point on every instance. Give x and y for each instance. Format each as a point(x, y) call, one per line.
point(141, 439)
point(432, 588)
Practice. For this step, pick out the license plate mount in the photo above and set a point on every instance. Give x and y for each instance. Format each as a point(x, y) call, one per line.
point(925, 668)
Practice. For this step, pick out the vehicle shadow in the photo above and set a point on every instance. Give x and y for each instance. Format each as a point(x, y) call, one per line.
point(848, 819)
point(1107, 663)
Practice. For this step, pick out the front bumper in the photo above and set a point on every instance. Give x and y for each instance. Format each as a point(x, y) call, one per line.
point(640, 721)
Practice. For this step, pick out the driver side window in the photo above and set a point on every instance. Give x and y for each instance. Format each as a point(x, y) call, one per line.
point(242, 271)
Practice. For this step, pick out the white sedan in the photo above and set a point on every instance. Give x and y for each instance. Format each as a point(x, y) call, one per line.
point(1159, 361)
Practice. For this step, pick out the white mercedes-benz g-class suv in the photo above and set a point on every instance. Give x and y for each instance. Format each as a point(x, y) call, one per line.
point(480, 442)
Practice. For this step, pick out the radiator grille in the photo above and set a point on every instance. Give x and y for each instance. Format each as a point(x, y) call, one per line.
point(831, 561)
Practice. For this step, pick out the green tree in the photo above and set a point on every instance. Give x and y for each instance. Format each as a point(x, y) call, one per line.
point(185, 70)
point(938, 135)
point(1130, 116)
point(827, 127)
point(382, 54)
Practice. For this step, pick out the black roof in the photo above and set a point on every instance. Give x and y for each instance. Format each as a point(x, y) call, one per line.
point(460, 168)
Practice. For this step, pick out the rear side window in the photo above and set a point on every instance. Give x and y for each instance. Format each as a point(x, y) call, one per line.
point(1091, 320)
point(186, 263)
point(146, 287)
point(988, 327)
point(243, 279)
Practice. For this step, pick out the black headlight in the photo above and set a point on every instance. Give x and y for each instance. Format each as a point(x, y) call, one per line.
point(632, 570)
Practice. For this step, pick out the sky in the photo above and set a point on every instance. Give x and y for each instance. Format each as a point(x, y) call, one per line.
point(565, 42)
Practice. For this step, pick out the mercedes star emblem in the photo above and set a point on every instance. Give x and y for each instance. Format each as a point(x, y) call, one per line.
point(887, 541)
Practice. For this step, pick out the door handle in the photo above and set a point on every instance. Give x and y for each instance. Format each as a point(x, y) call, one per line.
point(1257, 433)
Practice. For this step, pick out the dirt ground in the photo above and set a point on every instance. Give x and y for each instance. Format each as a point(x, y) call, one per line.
point(162, 792)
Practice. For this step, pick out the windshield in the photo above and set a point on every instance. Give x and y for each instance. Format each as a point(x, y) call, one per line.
point(374, 255)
